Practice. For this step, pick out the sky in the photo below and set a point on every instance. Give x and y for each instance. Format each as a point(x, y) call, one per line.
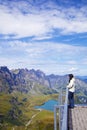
point(49, 35)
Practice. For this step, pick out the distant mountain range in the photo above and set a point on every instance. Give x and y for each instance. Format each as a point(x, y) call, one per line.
point(20, 89)
point(84, 78)
point(36, 82)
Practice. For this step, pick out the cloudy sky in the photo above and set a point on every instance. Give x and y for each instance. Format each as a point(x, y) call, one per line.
point(50, 35)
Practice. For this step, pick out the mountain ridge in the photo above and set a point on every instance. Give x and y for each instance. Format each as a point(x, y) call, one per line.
point(35, 81)
point(22, 89)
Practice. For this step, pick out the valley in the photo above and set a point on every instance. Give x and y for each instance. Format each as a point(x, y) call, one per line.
point(22, 89)
point(25, 116)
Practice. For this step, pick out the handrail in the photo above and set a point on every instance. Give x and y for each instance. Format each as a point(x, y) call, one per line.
point(63, 112)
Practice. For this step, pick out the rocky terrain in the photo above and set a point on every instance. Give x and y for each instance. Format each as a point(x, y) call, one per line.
point(22, 89)
point(35, 82)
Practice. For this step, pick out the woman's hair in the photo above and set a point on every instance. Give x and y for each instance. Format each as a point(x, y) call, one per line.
point(70, 77)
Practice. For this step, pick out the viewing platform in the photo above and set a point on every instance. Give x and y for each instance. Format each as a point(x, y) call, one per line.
point(69, 118)
point(77, 118)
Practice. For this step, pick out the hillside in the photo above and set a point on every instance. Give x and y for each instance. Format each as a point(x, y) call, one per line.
point(35, 82)
point(22, 89)
point(17, 110)
point(23, 80)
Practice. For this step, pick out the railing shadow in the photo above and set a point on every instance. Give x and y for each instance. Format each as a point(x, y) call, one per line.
point(70, 125)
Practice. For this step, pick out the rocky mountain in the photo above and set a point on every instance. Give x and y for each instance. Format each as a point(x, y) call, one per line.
point(6, 79)
point(18, 95)
point(35, 82)
point(23, 80)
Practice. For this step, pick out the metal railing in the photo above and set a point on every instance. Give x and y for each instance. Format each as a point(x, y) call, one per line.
point(62, 110)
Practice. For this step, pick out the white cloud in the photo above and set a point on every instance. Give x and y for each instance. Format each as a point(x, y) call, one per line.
point(84, 61)
point(49, 57)
point(73, 69)
point(7, 62)
point(41, 22)
point(68, 69)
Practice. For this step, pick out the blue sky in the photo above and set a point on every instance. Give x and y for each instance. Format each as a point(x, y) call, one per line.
point(50, 35)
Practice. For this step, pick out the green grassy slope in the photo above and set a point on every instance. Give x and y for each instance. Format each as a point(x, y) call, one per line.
point(17, 109)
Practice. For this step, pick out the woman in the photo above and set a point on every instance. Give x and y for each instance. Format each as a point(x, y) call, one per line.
point(71, 88)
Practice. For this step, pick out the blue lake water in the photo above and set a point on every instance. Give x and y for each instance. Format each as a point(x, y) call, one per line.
point(49, 105)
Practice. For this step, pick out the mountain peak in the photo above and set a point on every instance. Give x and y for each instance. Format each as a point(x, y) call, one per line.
point(4, 68)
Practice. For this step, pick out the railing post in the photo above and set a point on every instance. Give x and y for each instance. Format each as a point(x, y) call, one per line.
point(55, 118)
point(60, 108)
point(63, 112)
